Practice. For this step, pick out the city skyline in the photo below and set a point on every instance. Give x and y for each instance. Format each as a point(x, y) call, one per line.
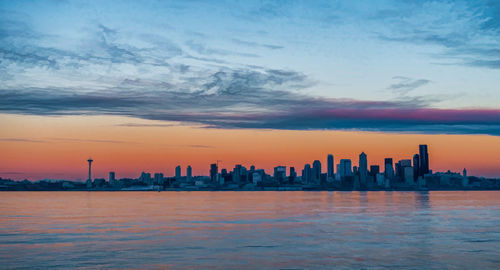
point(328, 167)
point(408, 174)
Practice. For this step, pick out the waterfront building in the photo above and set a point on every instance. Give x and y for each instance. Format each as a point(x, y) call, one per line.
point(330, 166)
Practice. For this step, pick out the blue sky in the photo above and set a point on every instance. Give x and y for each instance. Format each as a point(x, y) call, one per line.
point(257, 64)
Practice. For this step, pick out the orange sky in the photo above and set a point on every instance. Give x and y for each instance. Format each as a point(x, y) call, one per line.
point(37, 147)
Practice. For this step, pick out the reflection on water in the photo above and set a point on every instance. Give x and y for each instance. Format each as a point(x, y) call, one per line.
point(249, 230)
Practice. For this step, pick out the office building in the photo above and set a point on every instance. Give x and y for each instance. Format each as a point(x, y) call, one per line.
point(189, 173)
point(158, 178)
point(178, 172)
point(363, 169)
point(416, 166)
point(293, 175)
point(424, 160)
point(214, 171)
point(306, 174)
point(316, 172)
point(330, 163)
point(280, 173)
point(388, 168)
point(345, 168)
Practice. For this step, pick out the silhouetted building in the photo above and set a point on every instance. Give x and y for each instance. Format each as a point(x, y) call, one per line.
point(408, 175)
point(145, 178)
point(189, 173)
point(111, 177)
point(293, 175)
point(416, 166)
point(344, 168)
point(214, 171)
point(363, 169)
point(239, 174)
point(400, 168)
point(99, 182)
point(306, 174)
point(178, 172)
point(158, 178)
point(330, 163)
point(388, 168)
point(374, 169)
point(424, 160)
point(316, 172)
point(280, 173)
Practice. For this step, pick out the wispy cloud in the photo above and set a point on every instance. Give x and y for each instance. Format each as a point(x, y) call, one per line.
point(145, 125)
point(467, 31)
point(24, 140)
point(198, 146)
point(405, 84)
point(60, 140)
point(256, 44)
point(72, 140)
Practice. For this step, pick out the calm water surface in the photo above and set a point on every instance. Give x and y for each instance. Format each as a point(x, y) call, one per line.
point(250, 230)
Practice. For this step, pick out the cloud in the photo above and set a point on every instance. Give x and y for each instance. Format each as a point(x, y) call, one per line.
point(198, 146)
point(21, 140)
point(145, 125)
point(203, 49)
point(405, 84)
point(87, 140)
point(56, 140)
point(467, 31)
point(256, 44)
point(247, 99)
point(494, 64)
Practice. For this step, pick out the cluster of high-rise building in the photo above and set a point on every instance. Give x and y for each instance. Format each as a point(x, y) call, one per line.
point(405, 173)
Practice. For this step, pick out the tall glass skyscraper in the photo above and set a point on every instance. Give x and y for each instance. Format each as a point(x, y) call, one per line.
point(424, 159)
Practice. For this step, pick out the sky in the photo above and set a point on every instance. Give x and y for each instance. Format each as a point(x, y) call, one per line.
point(147, 85)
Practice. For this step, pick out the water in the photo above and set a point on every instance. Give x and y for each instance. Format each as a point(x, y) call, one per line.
point(250, 230)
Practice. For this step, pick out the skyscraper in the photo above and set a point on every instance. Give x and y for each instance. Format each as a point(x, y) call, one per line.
point(330, 171)
point(189, 172)
point(424, 159)
point(213, 172)
point(292, 175)
point(306, 174)
point(363, 168)
point(111, 177)
point(416, 166)
point(388, 168)
point(178, 172)
point(316, 171)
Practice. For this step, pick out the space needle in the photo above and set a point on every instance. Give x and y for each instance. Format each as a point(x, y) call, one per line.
point(90, 168)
